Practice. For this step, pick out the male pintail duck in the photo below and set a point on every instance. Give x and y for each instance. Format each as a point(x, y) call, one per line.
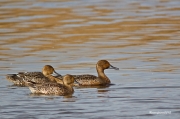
point(52, 88)
point(100, 80)
point(36, 77)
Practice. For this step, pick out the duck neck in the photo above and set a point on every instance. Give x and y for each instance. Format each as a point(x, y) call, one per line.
point(102, 75)
point(70, 88)
point(51, 78)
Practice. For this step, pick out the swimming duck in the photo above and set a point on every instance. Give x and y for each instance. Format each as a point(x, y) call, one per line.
point(100, 80)
point(36, 77)
point(91, 80)
point(52, 88)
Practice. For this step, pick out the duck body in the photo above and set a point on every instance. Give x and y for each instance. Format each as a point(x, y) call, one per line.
point(88, 80)
point(100, 80)
point(36, 77)
point(52, 88)
point(92, 80)
point(19, 79)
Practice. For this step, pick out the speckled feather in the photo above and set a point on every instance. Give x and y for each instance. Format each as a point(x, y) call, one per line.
point(100, 80)
point(15, 79)
point(19, 79)
point(50, 88)
point(53, 88)
point(36, 77)
point(87, 79)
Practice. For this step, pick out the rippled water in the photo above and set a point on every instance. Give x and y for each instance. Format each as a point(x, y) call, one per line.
point(140, 37)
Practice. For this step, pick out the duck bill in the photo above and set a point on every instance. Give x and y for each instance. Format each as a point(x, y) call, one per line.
point(57, 74)
point(112, 67)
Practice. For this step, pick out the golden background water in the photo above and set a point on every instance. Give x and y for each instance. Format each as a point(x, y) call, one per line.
point(140, 37)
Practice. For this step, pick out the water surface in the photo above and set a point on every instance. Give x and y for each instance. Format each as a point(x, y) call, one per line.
point(140, 37)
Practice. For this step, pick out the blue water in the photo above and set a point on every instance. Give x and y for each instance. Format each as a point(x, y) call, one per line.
point(140, 37)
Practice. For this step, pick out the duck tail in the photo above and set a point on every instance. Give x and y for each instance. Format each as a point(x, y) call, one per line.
point(13, 77)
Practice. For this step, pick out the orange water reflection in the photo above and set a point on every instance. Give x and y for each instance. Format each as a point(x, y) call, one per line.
point(87, 30)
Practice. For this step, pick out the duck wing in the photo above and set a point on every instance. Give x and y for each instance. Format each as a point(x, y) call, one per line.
point(49, 88)
point(36, 77)
point(87, 80)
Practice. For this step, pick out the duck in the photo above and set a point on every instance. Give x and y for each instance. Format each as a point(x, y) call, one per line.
point(92, 80)
point(53, 88)
point(37, 77)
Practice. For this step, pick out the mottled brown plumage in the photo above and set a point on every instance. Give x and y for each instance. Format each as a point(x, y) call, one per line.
point(37, 77)
point(51, 88)
point(101, 79)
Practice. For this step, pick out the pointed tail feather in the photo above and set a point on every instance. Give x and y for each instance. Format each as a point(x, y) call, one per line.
point(12, 77)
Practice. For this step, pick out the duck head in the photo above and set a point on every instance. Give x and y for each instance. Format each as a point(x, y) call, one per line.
point(104, 64)
point(68, 79)
point(48, 70)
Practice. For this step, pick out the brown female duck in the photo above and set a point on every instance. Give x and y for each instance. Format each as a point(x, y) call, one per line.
point(52, 88)
point(36, 77)
point(100, 80)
